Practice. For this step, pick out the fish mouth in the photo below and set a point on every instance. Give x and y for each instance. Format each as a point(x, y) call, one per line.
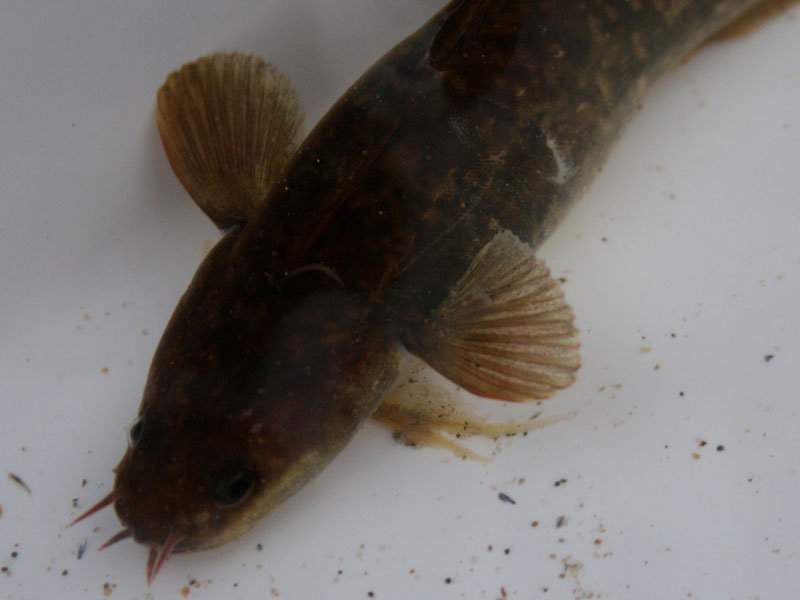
point(159, 553)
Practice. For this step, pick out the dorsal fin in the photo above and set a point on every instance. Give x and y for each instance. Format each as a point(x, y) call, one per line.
point(475, 43)
point(229, 123)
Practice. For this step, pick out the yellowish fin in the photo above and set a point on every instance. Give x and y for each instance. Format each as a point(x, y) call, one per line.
point(229, 123)
point(505, 331)
point(417, 425)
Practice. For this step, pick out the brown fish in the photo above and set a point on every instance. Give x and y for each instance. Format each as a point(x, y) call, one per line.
point(408, 218)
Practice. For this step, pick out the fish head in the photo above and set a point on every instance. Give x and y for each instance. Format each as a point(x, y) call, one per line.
point(236, 419)
point(188, 485)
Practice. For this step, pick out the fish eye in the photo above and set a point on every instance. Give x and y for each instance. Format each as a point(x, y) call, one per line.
point(232, 486)
point(135, 431)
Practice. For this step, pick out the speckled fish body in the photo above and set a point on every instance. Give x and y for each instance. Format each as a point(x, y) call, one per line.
point(491, 118)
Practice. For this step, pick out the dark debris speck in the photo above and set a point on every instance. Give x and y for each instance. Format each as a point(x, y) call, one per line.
point(768, 357)
point(506, 498)
point(18, 480)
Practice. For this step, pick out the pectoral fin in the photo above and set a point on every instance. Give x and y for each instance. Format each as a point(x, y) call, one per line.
point(505, 331)
point(229, 123)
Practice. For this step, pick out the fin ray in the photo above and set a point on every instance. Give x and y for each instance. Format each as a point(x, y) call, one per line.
point(228, 123)
point(505, 331)
point(423, 412)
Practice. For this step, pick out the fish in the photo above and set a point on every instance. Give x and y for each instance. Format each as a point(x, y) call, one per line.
point(407, 221)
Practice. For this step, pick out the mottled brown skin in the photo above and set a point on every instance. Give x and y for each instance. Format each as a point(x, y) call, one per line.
point(444, 142)
point(262, 384)
point(493, 116)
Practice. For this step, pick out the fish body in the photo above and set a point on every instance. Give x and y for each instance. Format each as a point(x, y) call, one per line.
point(407, 218)
point(491, 117)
